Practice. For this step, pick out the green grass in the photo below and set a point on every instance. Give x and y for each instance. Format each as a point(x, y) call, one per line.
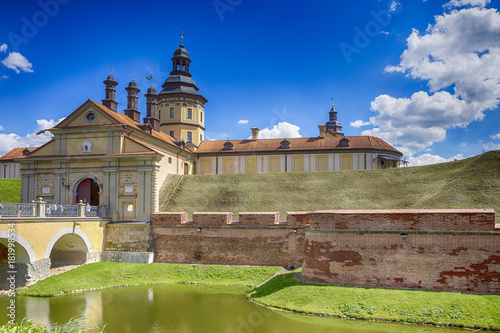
point(468, 183)
point(75, 325)
point(438, 308)
point(107, 274)
point(10, 190)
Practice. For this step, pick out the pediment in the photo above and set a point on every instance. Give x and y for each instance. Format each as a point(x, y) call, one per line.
point(88, 114)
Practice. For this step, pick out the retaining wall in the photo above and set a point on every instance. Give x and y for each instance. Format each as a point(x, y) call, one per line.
point(450, 250)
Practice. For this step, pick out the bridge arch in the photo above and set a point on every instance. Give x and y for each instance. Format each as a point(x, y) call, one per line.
point(68, 246)
point(30, 253)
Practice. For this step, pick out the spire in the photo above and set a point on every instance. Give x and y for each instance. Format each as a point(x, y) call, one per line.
point(333, 125)
point(182, 34)
point(152, 108)
point(109, 101)
point(132, 106)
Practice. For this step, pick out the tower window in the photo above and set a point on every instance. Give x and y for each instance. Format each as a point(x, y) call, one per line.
point(201, 116)
point(190, 113)
point(172, 133)
point(172, 112)
point(201, 138)
point(190, 135)
point(170, 160)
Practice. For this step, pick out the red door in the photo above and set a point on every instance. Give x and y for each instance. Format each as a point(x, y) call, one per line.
point(186, 169)
point(88, 191)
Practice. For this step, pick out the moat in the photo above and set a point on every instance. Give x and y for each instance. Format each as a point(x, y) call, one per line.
point(186, 308)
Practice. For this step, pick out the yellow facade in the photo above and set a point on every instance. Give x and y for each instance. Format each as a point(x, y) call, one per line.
point(346, 162)
point(297, 163)
point(228, 165)
point(182, 115)
point(274, 164)
point(321, 163)
point(251, 164)
point(205, 166)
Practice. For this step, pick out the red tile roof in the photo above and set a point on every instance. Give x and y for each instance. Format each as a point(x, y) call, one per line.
point(266, 145)
point(17, 153)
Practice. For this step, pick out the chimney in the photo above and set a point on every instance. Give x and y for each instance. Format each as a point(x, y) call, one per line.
point(322, 130)
point(132, 98)
point(152, 109)
point(110, 102)
point(255, 133)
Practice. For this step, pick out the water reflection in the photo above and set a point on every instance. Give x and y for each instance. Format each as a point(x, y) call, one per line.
point(186, 309)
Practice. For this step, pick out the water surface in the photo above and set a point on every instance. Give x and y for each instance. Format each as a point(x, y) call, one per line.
point(186, 308)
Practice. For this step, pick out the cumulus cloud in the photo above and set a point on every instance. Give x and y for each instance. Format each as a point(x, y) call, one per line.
point(359, 123)
point(9, 141)
point(464, 3)
point(17, 62)
point(394, 6)
point(243, 121)
point(496, 136)
point(426, 159)
point(491, 146)
point(3, 47)
point(3, 77)
point(459, 57)
point(281, 130)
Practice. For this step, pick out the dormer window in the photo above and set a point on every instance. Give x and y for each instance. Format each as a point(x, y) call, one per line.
point(285, 144)
point(26, 152)
point(344, 142)
point(228, 146)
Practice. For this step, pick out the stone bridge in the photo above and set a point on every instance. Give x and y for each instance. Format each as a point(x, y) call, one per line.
point(31, 245)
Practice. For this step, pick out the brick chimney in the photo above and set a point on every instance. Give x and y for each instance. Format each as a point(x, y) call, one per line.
point(322, 130)
point(255, 133)
point(110, 102)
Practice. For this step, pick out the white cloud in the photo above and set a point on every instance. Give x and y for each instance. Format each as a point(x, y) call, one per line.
point(18, 62)
point(359, 123)
point(243, 121)
point(3, 77)
point(394, 6)
point(282, 130)
point(3, 47)
point(459, 53)
point(496, 136)
point(9, 141)
point(464, 3)
point(491, 146)
point(426, 159)
point(216, 136)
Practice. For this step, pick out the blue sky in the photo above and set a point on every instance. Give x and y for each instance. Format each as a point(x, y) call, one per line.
point(423, 75)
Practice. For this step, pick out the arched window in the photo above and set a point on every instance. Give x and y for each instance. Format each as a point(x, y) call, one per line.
point(228, 146)
point(285, 144)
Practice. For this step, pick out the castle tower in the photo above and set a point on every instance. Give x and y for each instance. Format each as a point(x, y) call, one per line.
point(132, 106)
point(333, 126)
point(152, 109)
point(181, 106)
point(109, 101)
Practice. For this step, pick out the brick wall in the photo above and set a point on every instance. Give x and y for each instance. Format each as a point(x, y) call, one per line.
point(453, 250)
point(128, 237)
point(213, 238)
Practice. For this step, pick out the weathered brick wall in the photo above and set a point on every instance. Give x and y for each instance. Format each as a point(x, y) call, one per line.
point(446, 250)
point(128, 237)
point(405, 219)
point(45, 180)
point(212, 238)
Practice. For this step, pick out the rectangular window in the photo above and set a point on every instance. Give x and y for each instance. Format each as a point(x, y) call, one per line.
point(190, 135)
point(171, 112)
point(172, 133)
point(190, 113)
point(201, 116)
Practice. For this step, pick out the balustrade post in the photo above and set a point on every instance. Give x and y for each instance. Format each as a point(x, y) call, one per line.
point(40, 204)
point(81, 209)
point(103, 210)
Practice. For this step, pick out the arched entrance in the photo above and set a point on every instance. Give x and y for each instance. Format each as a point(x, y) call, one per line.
point(70, 249)
point(186, 169)
point(88, 191)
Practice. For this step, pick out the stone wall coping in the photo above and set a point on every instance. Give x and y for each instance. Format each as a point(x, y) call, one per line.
point(298, 213)
point(258, 213)
point(404, 211)
point(213, 213)
point(169, 213)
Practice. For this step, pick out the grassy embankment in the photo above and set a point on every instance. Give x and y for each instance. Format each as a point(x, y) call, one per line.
point(437, 308)
point(10, 190)
point(109, 274)
point(468, 183)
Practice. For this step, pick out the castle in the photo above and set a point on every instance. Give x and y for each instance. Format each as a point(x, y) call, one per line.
point(101, 156)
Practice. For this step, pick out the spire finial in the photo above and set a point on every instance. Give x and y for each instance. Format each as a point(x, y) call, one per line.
point(133, 74)
point(111, 69)
point(182, 34)
point(332, 99)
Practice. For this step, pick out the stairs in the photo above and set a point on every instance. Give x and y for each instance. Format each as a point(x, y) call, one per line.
point(168, 189)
